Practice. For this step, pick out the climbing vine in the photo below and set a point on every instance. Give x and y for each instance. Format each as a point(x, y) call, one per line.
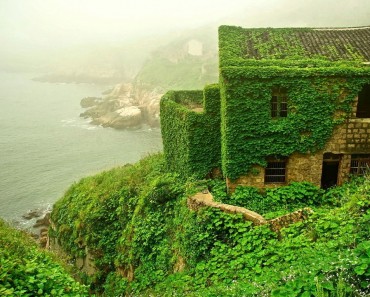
point(236, 126)
point(144, 241)
point(315, 106)
point(320, 95)
point(191, 130)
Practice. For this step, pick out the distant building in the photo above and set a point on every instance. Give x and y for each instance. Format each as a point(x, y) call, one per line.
point(291, 105)
point(194, 47)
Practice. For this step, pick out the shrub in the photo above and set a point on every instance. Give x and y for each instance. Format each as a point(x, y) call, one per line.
point(297, 194)
point(27, 271)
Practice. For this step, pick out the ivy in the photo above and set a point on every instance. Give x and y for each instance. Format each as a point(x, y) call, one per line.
point(191, 138)
point(149, 243)
point(235, 131)
point(26, 270)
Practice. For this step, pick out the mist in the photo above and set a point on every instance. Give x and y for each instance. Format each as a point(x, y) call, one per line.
point(43, 35)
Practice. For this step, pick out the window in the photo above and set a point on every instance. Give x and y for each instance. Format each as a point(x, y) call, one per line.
point(359, 164)
point(279, 105)
point(363, 103)
point(275, 171)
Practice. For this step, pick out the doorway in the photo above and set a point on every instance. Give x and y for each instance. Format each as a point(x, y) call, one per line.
point(330, 170)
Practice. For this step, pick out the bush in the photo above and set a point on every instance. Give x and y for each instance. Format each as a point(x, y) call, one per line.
point(115, 285)
point(164, 188)
point(27, 271)
point(297, 194)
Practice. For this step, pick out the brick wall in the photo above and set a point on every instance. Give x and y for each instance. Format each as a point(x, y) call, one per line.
point(351, 137)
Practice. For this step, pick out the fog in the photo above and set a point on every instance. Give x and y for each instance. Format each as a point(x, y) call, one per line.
point(38, 33)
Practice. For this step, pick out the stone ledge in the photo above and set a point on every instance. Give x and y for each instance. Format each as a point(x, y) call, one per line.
point(288, 219)
point(205, 199)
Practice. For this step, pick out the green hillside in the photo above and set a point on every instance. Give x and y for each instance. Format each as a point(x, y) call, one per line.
point(135, 222)
point(26, 270)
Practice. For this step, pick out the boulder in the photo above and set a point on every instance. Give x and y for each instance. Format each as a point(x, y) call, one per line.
point(127, 117)
point(90, 101)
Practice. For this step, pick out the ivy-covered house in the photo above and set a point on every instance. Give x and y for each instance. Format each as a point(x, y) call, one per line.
point(291, 105)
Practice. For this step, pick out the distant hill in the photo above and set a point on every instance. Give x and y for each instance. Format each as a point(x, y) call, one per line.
point(188, 62)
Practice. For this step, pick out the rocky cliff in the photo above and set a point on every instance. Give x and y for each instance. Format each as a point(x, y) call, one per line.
point(125, 106)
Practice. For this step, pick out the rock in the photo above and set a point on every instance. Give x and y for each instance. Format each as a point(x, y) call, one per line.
point(43, 232)
point(80, 263)
point(43, 222)
point(90, 101)
point(127, 117)
point(129, 112)
point(43, 241)
point(126, 106)
point(35, 213)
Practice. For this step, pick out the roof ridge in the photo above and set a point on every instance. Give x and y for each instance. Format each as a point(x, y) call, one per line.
point(341, 28)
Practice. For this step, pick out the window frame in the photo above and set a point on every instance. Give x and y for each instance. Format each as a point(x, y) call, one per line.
point(276, 171)
point(360, 164)
point(279, 103)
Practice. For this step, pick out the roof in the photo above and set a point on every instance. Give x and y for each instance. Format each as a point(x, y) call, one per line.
point(333, 44)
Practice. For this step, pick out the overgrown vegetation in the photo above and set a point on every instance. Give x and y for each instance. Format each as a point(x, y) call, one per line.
point(25, 270)
point(191, 138)
point(316, 105)
point(135, 222)
point(320, 91)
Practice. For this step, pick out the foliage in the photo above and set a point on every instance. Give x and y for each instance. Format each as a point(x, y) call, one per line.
point(295, 195)
point(158, 247)
point(123, 218)
point(327, 255)
point(250, 135)
point(219, 190)
point(320, 91)
point(191, 140)
point(25, 270)
point(252, 63)
point(115, 285)
point(243, 47)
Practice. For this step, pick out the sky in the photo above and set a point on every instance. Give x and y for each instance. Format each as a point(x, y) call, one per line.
point(30, 26)
point(51, 23)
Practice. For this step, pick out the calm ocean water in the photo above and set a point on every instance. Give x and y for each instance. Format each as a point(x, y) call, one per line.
point(45, 146)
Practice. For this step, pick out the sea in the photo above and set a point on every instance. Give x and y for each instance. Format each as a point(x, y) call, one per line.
point(45, 146)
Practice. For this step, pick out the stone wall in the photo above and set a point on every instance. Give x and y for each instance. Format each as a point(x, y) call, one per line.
point(299, 167)
point(83, 264)
point(205, 199)
point(284, 221)
point(351, 137)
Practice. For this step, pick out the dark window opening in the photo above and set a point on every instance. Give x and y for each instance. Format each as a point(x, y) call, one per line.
point(363, 103)
point(275, 171)
point(330, 169)
point(360, 164)
point(279, 103)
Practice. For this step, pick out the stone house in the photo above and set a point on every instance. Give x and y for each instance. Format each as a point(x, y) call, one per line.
point(291, 104)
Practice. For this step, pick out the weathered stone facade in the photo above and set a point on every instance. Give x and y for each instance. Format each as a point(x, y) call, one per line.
point(277, 104)
point(351, 137)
